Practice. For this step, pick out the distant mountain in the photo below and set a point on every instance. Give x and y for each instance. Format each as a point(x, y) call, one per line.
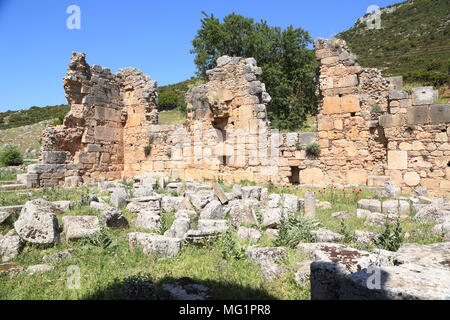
point(413, 41)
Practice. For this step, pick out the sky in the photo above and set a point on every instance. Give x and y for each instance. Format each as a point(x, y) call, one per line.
point(153, 36)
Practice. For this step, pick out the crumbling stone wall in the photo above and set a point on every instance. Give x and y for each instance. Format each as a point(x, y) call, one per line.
point(369, 130)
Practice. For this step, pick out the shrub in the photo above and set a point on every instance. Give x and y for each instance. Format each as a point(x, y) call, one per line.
point(167, 100)
point(411, 128)
point(148, 148)
point(376, 109)
point(295, 229)
point(11, 156)
point(391, 238)
point(313, 150)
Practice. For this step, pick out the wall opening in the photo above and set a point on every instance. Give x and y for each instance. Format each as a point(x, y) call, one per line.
point(295, 175)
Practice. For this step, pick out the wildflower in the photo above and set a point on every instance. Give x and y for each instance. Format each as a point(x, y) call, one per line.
point(148, 252)
point(414, 231)
point(357, 192)
point(132, 243)
point(360, 190)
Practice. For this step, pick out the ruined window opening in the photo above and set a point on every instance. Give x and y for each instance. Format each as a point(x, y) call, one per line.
point(221, 125)
point(448, 164)
point(295, 175)
point(353, 114)
point(340, 95)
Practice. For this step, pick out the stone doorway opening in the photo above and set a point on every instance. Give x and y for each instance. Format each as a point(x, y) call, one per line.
point(295, 175)
point(220, 124)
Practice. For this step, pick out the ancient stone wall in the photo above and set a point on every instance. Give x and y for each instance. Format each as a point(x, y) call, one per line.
point(369, 130)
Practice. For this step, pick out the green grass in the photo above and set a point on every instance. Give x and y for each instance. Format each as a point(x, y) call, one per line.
point(103, 269)
point(9, 174)
point(171, 117)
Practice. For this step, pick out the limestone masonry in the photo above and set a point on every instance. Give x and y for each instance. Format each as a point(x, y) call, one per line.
point(369, 130)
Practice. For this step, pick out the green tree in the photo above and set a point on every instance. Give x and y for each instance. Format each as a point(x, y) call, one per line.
point(168, 100)
point(289, 67)
point(10, 156)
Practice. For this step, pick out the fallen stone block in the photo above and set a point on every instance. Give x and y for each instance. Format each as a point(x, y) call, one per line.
point(77, 227)
point(37, 222)
point(153, 243)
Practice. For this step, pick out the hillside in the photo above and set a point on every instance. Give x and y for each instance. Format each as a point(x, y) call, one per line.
point(25, 138)
point(414, 41)
point(19, 118)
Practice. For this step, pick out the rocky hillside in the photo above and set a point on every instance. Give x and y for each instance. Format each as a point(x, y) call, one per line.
point(26, 138)
point(413, 41)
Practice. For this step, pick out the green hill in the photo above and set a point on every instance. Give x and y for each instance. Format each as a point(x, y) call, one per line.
point(413, 41)
point(14, 119)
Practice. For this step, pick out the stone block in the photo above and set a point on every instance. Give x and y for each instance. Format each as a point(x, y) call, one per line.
point(350, 103)
point(422, 96)
point(358, 177)
point(440, 113)
point(108, 114)
point(331, 105)
point(398, 95)
point(54, 157)
point(311, 176)
point(391, 120)
point(107, 134)
point(397, 159)
point(395, 83)
point(417, 115)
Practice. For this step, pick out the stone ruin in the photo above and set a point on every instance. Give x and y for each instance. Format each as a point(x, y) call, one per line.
point(370, 131)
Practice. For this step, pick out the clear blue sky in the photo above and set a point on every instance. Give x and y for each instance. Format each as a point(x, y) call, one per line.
point(154, 36)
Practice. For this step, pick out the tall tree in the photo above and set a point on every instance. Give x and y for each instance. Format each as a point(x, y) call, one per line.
point(289, 67)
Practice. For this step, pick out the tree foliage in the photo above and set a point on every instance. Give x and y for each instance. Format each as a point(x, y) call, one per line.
point(288, 65)
point(10, 156)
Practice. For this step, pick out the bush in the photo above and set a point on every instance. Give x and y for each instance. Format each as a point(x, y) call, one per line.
point(10, 156)
point(167, 100)
point(391, 238)
point(313, 150)
point(295, 229)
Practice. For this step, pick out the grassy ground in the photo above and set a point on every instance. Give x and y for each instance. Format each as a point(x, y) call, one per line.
point(105, 264)
point(29, 135)
point(171, 117)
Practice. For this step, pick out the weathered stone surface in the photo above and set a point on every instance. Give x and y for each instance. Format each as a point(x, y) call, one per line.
point(324, 235)
point(142, 191)
point(391, 190)
point(422, 96)
point(271, 217)
point(63, 205)
point(10, 247)
point(186, 214)
point(434, 213)
point(148, 220)
point(206, 229)
point(405, 282)
point(243, 212)
point(153, 243)
point(170, 204)
point(113, 218)
point(267, 255)
point(365, 237)
point(248, 234)
point(342, 215)
point(151, 203)
point(395, 206)
point(435, 255)
point(77, 227)
point(39, 269)
point(58, 256)
point(397, 159)
point(237, 191)
point(178, 228)
point(37, 222)
point(220, 193)
point(200, 199)
point(370, 204)
point(119, 198)
point(11, 269)
point(251, 192)
point(187, 289)
point(212, 210)
point(310, 204)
